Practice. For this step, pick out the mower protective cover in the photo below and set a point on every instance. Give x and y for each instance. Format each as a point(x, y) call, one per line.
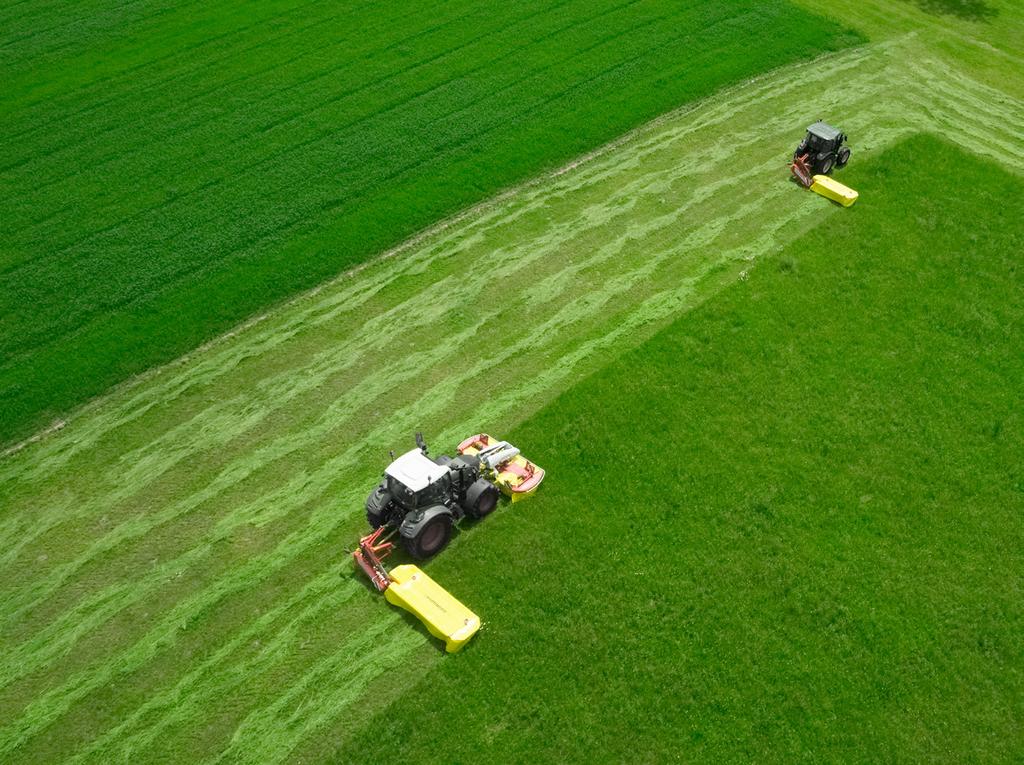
point(512, 473)
point(443, 616)
point(832, 189)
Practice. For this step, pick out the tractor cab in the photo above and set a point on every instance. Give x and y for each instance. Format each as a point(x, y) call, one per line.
point(414, 480)
point(820, 151)
point(823, 137)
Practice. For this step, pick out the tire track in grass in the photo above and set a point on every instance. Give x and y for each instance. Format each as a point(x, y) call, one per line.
point(638, 312)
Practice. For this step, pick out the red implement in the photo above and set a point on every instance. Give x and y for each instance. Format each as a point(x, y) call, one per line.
point(801, 169)
point(515, 475)
point(372, 550)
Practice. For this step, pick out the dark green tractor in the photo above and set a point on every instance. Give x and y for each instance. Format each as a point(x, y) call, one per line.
point(822, 149)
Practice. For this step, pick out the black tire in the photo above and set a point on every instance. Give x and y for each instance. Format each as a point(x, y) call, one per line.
point(443, 460)
point(376, 507)
point(827, 164)
point(843, 157)
point(481, 499)
point(431, 539)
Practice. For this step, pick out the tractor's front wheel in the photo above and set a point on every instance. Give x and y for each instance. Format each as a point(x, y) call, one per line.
point(431, 538)
point(481, 499)
point(843, 158)
point(827, 164)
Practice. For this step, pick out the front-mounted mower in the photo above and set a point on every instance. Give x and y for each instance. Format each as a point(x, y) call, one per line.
point(419, 500)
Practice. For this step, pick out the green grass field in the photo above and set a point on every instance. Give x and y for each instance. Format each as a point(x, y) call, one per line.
point(843, 387)
point(787, 528)
point(168, 172)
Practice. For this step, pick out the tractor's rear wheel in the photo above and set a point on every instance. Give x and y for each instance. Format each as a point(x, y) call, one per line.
point(377, 506)
point(843, 158)
point(431, 539)
point(481, 498)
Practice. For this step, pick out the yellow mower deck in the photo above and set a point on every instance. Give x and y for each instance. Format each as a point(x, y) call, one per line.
point(832, 189)
point(444, 616)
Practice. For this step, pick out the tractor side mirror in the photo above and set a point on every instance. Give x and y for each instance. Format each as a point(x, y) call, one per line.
point(421, 443)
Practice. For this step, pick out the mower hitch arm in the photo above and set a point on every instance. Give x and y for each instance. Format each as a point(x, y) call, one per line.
point(370, 554)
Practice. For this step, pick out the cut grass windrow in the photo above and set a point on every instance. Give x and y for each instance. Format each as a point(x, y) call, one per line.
point(223, 672)
point(261, 738)
point(275, 433)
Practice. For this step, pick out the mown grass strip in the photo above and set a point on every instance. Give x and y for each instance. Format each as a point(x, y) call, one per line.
point(220, 674)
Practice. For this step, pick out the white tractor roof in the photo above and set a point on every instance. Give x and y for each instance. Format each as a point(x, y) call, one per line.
point(416, 470)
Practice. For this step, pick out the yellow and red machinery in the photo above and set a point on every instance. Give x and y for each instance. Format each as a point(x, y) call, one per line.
point(409, 588)
point(419, 500)
point(513, 474)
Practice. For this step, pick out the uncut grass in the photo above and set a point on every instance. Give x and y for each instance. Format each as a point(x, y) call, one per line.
point(291, 490)
point(786, 528)
point(989, 47)
point(222, 167)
